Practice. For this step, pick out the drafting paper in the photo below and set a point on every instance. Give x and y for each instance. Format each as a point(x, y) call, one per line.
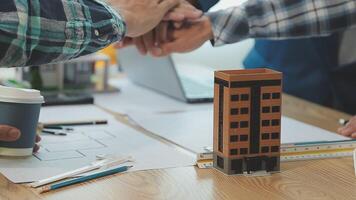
point(59, 154)
point(194, 130)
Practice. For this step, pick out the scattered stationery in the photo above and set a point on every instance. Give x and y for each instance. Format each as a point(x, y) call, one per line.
point(85, 178)
point(93, 166)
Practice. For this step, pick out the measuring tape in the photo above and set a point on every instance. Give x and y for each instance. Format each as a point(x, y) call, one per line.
point(300, 151)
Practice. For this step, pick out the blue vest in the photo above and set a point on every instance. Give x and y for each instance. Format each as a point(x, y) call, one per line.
point(305, 63)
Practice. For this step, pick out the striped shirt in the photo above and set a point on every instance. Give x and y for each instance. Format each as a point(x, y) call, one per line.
point(282, 19)
point(35, 32)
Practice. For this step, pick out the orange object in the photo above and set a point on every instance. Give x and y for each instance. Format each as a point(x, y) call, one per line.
point(247, 120)
point(111, 52)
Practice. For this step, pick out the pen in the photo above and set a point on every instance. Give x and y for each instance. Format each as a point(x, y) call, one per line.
point(343, 122)
point(85, 178)
point(54, 132)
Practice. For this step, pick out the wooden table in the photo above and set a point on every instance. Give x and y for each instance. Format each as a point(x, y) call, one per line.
point(318, 179)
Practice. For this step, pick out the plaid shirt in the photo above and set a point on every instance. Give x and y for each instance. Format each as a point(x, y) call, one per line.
point(282, 19)
point(34, 32)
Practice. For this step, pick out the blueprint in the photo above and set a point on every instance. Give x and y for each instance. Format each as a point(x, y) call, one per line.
point(81, 147)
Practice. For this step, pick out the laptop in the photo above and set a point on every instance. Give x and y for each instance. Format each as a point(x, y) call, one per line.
point(160, 75)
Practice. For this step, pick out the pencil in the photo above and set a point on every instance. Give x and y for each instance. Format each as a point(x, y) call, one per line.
point(84, 178)
point(75, 123)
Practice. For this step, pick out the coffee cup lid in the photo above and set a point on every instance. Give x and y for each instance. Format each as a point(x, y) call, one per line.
point(16, 95)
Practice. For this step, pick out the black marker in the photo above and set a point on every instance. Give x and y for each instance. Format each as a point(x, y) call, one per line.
point(58, 128)
point(54, 133)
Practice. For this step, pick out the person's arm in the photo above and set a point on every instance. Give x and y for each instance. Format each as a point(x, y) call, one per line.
point(281, 19)
point(34, 32)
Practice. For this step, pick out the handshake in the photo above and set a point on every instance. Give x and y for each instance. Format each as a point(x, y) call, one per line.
point(161, 27)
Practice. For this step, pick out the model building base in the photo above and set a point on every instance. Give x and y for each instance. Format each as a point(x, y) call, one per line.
point(247, 165)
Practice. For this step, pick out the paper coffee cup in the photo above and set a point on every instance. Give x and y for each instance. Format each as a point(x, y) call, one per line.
point(20, 108)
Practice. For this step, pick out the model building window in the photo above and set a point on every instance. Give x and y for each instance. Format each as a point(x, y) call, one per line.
point(236, 164)
point(276, 109)
point(235, 97)
point(233, 152)
point(243, 138)
point(266, 109)
point(234, 138)
point(220, 162)
point(265, 136)
point(244, 111)
point(265, 122)
point(276, 95)
point(275, 149)
point(234, 125)
point(245, 97)
point(265, 149)
point(244, 124)
point(275, 135)
point(275, 122)
point(234, 111)
point(243, 151)
point(266, 96)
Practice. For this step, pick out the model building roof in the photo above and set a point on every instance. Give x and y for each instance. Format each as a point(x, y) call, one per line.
point(248, 74)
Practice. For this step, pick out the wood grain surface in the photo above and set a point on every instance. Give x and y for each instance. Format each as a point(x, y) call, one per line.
point(318, 179)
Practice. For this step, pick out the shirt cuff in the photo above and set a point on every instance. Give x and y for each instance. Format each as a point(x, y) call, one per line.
point(229, 26)
point(205, 5)
point(118, 26)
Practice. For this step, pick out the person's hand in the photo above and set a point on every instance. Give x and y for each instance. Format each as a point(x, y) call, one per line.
point(349, 130)
point(185, 11)
point(187, 38)
point(151, 40)
point(10, 134)
point(142, 16)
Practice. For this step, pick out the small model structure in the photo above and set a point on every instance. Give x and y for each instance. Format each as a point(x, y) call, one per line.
point(74, 75)
point(247, 120)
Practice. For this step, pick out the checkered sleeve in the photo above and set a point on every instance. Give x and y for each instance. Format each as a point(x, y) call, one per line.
point(35, 32)
point(282, 19)
point(205, 5)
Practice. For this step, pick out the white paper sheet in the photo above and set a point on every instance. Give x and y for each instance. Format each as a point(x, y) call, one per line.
point(59, 154)
point(133, 98)
point(194, 130)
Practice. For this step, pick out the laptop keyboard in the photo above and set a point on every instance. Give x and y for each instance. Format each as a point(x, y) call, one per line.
point(194, 89)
